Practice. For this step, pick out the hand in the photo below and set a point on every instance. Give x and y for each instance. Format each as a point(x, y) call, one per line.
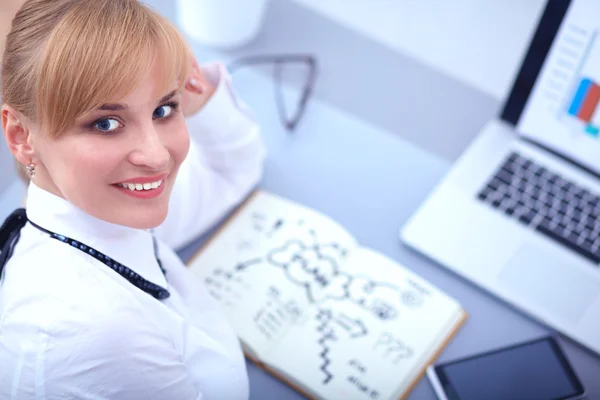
point(198, 90)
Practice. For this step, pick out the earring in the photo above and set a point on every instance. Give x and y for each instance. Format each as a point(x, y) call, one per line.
point(30, 170)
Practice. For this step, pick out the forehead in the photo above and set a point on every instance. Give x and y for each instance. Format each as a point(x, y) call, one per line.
point(151, 87)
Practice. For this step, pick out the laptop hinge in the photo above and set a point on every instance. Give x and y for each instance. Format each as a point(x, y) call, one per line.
point(561, 156)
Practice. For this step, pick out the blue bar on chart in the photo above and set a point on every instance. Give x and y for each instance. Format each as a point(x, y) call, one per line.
point(584, 87)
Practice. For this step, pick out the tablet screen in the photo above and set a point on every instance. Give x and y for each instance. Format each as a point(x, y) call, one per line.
point(532, 371)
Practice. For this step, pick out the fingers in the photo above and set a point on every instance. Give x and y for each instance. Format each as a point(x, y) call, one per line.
point(195, 85)
point(195, 81)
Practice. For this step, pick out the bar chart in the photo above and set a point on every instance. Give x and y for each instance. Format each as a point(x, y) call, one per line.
point(584, 105)
point(583, 100)
point(572, 84)
point(562, 111)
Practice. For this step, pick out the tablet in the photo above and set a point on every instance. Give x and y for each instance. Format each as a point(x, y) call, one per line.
point(535, 370)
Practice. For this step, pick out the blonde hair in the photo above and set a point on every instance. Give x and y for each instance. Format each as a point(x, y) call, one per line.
point(65, 58)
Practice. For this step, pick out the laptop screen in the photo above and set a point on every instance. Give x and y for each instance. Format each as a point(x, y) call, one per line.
point(563, 109)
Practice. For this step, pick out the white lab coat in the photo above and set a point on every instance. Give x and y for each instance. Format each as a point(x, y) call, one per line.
point(72, 328)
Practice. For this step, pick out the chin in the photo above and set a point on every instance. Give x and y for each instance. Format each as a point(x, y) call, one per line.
point(143, 220)
point(149, 223)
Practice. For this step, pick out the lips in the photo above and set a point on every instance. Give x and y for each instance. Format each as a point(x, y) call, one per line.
point(143, 187)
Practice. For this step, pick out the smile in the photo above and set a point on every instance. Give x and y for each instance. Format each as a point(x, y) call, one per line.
point(147, 187)
point(141, 186)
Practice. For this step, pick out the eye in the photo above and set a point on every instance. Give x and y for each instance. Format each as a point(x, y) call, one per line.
point(163, 112)
point(107, 125)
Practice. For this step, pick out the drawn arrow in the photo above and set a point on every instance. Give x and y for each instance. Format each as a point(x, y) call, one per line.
point(355, 327)
point(243, 265)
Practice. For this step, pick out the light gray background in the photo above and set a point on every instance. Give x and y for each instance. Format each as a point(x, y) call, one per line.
point(6, 169)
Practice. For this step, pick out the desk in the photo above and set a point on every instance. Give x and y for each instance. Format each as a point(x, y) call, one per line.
point(371, 180)
point(382, 131)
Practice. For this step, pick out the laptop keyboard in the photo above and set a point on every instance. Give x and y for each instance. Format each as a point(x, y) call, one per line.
point(543, 200)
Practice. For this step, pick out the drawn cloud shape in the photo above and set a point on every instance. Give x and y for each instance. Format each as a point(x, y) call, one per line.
point(306, 266)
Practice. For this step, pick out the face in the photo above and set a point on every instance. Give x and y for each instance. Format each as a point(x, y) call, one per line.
point(118, 163)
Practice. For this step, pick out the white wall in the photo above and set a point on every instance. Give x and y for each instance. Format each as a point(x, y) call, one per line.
point(479, 42)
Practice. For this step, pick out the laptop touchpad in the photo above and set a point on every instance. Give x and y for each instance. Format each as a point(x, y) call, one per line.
point(549, 283)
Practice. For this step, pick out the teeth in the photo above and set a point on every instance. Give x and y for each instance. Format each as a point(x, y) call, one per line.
point(139, 186)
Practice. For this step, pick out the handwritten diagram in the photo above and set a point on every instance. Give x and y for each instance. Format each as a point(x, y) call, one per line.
point(354, 328)
point(315, 266)
point(392, 347)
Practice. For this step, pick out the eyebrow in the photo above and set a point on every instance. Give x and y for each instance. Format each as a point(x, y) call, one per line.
point(113, 107)
point(119, 106)
point(169, 96)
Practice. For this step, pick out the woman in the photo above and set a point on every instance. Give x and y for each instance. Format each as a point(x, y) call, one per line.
point(93, 301)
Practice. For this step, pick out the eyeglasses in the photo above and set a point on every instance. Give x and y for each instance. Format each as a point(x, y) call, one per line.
point(290, 122)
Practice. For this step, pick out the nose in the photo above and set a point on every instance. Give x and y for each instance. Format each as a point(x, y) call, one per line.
point(150, 152)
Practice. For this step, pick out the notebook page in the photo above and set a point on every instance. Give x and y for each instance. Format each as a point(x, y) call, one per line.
point(269, 263)
point(370, 342)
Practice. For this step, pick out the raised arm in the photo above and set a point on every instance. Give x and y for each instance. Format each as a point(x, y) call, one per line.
point(224, 164)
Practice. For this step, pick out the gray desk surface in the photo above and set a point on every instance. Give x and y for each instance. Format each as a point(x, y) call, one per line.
point(382, 131)
point(371, 180)
point(380, 134)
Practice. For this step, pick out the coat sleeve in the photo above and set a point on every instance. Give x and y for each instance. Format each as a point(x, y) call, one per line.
point(224, 164)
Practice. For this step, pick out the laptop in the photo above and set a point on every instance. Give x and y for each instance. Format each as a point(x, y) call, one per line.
point(519, 212)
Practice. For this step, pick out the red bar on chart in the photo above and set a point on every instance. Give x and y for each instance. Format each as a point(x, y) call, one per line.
point(589, 103)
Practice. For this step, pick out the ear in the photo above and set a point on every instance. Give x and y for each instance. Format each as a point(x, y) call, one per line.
point(17, 135)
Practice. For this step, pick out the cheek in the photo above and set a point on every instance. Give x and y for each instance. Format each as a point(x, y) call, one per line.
point(96, 157)
point(88, 158)
point(178, 141)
